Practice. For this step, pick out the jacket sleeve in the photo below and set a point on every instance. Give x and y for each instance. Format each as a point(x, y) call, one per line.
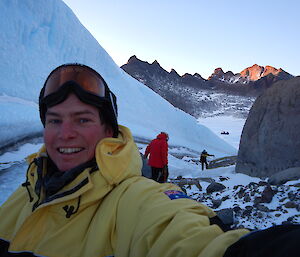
point(164, 153)
point(147, 151)
point(156, 225)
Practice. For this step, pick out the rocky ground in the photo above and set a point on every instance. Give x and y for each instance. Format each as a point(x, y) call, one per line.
point(240, 200)
point(253, 206)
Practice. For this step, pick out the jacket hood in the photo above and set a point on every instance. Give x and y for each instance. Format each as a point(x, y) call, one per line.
point(118, 158)
point(162, 136)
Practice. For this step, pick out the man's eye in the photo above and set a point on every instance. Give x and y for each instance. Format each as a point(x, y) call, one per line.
point(53, 121)
point(83, 120)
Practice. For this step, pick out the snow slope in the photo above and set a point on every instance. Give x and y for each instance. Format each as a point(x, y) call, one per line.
point(37, 36)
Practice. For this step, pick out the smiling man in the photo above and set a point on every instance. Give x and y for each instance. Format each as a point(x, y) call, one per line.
point(84, 195)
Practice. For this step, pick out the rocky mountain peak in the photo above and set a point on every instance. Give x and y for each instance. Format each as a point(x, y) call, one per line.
point(256, 72)
point(156, 63)
point(218, 72)
point(252, 73)
point(186, 75)
point(133, 59)
point(269, 69)
point(174, 74)
point(198, 76)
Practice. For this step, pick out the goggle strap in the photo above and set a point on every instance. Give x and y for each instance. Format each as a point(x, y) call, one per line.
point(112, 103)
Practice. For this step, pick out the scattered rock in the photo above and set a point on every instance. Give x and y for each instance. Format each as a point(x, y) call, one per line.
point(197, 184)
point(223, 178)
point(282, 199)
point(215, 187)
point(286, 222)
point(247, 212)
point(224, 198)
point(226, 215)
point(262, 183)
point(216, 203)
point(292, 196)
point(257, 200)
point(263, 208)
point(259, 215)
point(247, 198)
point(290, 204)
point(267, 194)
point(237, 209)
point(241, 193)
point(253, 185)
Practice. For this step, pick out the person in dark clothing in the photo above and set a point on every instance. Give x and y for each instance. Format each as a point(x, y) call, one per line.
point(163, 176)
point(158, 159)
point(203, 159)
point(276, 241)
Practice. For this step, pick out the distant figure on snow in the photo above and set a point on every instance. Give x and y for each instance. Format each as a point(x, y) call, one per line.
point(224, 133)
point(158, 159)
point(203, 159)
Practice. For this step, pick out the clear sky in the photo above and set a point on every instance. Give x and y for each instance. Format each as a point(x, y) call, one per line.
point(196, 35)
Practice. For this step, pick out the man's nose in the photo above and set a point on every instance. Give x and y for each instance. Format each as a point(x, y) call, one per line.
point(67, 130)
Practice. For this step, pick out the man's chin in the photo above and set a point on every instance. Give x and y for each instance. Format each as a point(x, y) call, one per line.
point(67, 166)
point(65, 162)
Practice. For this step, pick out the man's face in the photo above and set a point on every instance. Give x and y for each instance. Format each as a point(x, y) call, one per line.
point(72, 131)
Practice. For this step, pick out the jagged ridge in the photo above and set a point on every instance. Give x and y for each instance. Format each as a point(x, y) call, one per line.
point(221, 93)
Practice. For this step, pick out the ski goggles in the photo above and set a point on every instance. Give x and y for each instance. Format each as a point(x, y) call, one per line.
point(88, 84)
point(88, 79)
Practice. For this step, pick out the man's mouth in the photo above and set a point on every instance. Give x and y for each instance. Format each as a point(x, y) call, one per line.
point(70, 150)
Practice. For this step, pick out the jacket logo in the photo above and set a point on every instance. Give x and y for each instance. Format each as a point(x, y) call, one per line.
point(69, 210)
point(175, 194)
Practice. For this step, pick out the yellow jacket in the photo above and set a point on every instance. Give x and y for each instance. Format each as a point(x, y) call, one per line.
point(114, 212)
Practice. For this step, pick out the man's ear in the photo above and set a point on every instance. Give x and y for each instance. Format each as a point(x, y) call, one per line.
point(109, 131)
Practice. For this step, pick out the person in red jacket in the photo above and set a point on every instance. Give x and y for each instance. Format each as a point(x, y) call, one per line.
point(158, 159)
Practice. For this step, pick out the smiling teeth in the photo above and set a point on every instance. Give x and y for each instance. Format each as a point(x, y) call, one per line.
point(69, 150)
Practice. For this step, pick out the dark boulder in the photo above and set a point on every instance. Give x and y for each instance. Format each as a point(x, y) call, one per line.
point(270, 140)
point(226, 215)
point(267, 194)
point(284, 176)
point(215, 187)
point(290, 204)
point(216, 203)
